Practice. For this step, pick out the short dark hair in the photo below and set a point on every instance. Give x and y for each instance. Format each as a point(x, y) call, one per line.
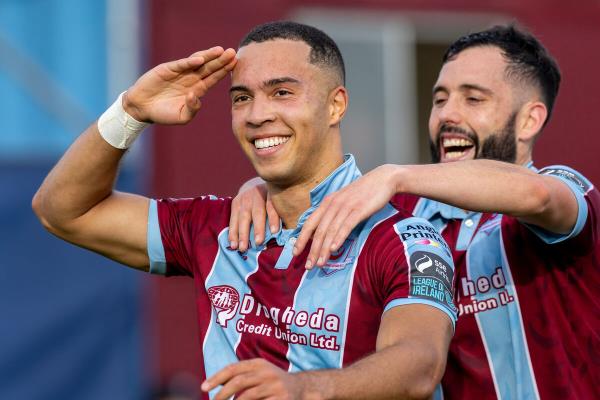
point(528, 60)
point(323, 50)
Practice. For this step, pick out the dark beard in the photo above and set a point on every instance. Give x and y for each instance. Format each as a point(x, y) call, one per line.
point(500, 146)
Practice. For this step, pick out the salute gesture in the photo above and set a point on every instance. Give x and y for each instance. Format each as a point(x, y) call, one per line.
point(77, 202)
point(170, 93)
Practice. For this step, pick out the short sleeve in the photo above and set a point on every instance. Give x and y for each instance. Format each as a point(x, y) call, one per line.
point(424, 269)
point(180, 229)
point(580, 187)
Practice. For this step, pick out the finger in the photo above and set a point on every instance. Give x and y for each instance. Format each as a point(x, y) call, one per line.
point(211, 80)
point(316, 247)
point(195, 61)
point(233, 223)
point(244, 223)
point(238, 383)
point(259, 391)
point(259, 216)
point(335, 225)
point(183, 65)
point(330, 233)
point(307, 231)
point(231, 64)
point(274, 221)
point(342, 234)
point(225, 374)
point(210, 54)
point(216, 64)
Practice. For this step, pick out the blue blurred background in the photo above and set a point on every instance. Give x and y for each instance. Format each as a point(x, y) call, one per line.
point(76, 326)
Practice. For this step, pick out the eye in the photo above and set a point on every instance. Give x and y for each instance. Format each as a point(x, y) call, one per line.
point(438, 101)
point(282, 92)
point(240, 98)
point(474, 100)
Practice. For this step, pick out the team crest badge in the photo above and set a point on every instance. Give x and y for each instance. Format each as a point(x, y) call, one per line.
point(340, 259)
point(225, 300)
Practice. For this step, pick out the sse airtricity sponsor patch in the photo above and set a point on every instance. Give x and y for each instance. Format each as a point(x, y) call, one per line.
point(431, 265)
point(431, 278)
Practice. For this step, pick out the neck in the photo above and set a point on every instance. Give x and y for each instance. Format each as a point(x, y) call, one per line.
point(523, 159)
point(292, 200)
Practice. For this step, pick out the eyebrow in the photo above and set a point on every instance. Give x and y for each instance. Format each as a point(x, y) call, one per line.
point(269, 83)
point(464, 87)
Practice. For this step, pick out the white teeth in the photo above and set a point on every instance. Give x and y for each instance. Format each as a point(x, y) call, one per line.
point(270, 142)
point(454, 154)
point(452, 142)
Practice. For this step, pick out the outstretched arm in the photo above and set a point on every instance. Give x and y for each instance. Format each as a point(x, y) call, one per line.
point(77, 202)
point(476, 185)
point(410, 360)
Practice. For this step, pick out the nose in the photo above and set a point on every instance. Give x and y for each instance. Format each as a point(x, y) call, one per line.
point(449, 112)
point(260, 112)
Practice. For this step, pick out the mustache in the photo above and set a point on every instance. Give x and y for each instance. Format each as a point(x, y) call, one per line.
point(445, 128)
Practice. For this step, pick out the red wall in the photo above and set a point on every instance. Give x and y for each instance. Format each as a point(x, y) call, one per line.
point(204, 158)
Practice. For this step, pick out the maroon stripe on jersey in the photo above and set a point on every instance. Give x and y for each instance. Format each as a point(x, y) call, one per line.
point(270, 288)
point(382, 245)
point(189, 230)
point(206, 223)
point(557, 286)
point(468, 374)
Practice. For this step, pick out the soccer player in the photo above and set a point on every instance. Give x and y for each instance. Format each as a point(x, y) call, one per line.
point(525, 241)
point(374, 322)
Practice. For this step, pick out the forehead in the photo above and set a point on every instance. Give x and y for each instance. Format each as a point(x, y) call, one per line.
point(259, 62)
point(483, 65)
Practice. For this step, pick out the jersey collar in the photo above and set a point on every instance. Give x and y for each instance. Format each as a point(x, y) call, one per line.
point(340, 177)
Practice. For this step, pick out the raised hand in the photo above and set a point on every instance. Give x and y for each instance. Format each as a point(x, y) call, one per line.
point(339, 213)
point(170, 93)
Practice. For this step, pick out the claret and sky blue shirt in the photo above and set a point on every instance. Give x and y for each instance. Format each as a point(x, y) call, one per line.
point(264, 303)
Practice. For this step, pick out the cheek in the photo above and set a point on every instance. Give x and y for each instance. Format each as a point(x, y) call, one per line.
point(237, 124)
point(433, 124)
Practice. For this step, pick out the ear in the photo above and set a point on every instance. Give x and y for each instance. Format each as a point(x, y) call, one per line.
point(338, 103)
point(530, 120)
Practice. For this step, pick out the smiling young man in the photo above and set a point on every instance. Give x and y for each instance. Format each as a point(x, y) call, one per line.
point(527, 255)
point(375, 322)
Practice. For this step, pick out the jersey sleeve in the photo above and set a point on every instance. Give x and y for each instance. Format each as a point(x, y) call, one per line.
point(179, 229)
point(581, 188)
point(418, 269)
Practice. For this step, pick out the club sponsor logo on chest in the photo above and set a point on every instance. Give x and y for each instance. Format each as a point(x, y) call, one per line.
point(471, 291)
point(317, 329)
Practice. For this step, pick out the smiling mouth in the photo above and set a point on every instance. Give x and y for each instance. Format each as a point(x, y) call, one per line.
point(269, 142)
point(456, 147)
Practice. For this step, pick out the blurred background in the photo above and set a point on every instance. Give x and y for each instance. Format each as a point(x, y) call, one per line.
point(76, 326)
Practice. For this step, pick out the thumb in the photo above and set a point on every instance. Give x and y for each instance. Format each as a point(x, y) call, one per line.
point(191, 107)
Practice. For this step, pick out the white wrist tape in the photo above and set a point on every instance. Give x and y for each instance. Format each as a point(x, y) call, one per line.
point(117, 127)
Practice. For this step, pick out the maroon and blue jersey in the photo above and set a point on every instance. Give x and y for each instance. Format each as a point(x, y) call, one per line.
point(528, 301)
point(264, 303)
